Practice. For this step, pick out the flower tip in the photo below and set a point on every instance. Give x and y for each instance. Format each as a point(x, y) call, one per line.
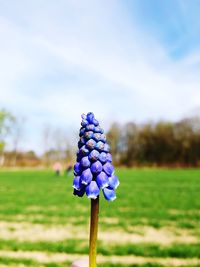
point(90, 117)
point(105, 185)
point(92, 196)
point(112, 199)
point(109, 194)
point(75, 187)
point(83, 116)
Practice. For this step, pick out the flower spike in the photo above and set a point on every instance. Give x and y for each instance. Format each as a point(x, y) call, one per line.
point(94, 170)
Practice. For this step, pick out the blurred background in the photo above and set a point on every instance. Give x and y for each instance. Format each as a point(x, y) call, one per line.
point(136, 65)
point(133, 63)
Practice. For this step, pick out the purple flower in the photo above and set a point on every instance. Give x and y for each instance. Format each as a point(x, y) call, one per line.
point(84, 123)
point(79, 193)
point(106, 148)
point(103, 157)
point(94, 155)
point(108, 168)
point(93, 169)
point(109, 157)
point(98, 130)
point(77, 168)
point(113, 181)
point(95, 122)
point(85, 162)
point(109, 194)
point(82, 131)
point(102, 180)
point(99, 146)
point(103, 138)
point(91, 144)
point(88, 135)
point(77, 183)
point(84, 117)
point(84, 151)
point(97, 136)
point(86, 176)
point(92, 190)
point(90, 117)
point(96, 167)
point(90, 127)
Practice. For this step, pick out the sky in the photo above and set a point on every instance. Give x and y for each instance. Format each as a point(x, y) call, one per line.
point(128, 60)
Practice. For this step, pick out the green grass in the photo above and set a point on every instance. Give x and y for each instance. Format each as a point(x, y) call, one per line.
point(81, 247)
point(146, 197)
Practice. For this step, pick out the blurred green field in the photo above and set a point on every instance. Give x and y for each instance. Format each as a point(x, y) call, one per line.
point(155, 220)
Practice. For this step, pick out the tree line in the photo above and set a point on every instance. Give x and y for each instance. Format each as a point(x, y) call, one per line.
point(160, 144)
point(54, 142)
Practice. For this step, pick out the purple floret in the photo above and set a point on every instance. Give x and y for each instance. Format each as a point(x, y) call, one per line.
point(96, 167)
point(108, 168)
point(109, 194)
point(86, 176)
point(85, 162)
point(102, 180)
point(92, 190)
point(103, 157)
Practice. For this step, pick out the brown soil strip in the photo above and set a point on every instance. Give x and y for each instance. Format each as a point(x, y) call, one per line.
point(39, 232)
point(42, 257)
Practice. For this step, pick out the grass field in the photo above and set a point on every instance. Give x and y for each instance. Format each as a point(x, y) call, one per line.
point(155, 220)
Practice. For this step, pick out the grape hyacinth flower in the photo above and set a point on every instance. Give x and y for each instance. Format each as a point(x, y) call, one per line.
point(94, 162)
point(93, 172)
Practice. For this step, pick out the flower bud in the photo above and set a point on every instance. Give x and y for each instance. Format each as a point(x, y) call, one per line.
point(103, 157)
point(94, 155)
point(82, 131)
point(108, 168)
point(84, 123)
point(100, 146)
point(90, 117)
point(97, 136)
point(85, 162)
point(103, 138)
point(96, 167)
point(90, 127)
point(106, 148)
point(88, 135)
point(109, 157)
point(91, 144)
point(77, 168)
point(84, 151)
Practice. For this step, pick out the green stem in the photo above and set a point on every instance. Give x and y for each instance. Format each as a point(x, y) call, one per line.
point(93, 231)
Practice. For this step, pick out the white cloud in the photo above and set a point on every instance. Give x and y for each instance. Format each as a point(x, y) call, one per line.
point(118, 72)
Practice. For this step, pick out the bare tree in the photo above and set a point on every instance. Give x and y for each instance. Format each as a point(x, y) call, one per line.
point(46, 140)
point(16, 135)
point(6, 122)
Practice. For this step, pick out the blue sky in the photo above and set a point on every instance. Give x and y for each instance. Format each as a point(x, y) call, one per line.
point(123, 60)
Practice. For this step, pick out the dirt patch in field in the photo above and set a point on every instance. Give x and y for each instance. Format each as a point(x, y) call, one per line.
point(183, 212)
point(43, 257)
point(40, 232)
point(108, 220)
point(164, 236)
